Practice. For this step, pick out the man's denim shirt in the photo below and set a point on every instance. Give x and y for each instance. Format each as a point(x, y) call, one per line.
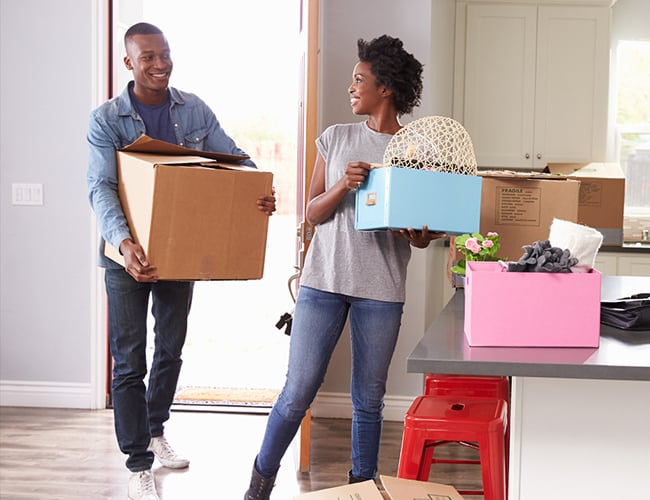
point(116, 124)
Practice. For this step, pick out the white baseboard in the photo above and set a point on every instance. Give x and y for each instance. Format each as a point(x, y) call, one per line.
point(339, 405)
point(80, 396)
point(46, 394)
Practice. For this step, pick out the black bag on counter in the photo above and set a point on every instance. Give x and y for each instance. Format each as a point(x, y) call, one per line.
point(629, 313)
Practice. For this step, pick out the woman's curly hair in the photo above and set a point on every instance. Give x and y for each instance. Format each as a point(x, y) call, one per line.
point(395, 69)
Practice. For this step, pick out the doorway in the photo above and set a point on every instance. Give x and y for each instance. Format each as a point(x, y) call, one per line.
point(242, 59)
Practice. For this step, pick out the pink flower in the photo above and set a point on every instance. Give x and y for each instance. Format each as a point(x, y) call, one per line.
point(488, 243)
point(492, 233)
point(472, 245)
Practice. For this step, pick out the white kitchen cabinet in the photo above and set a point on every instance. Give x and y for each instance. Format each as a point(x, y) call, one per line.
point(531, 82)
point(606, 264)
point(623, 264)
point(633, 265)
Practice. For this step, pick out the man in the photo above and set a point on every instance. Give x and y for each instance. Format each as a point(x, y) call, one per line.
point(148, 105)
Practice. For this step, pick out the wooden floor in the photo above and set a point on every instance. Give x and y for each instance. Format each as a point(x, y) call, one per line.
point(72, 454)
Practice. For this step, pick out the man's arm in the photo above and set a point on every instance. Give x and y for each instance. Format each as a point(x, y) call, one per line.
point(101, 178)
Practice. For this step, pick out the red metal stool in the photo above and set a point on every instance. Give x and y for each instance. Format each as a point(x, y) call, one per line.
point(436, 384)
point(436, 420)
point(467, 385)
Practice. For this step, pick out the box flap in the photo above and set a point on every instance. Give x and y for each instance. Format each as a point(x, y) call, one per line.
point(163, 159)
point(400, 489)
point(512, 174)
point(595, 170)
point(146, 144)
point(185, 161)
point(365, 490)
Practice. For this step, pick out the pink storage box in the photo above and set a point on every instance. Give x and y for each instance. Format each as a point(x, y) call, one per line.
point(531, 309)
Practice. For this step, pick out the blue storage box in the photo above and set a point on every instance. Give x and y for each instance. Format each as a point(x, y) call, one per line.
point(399, 198)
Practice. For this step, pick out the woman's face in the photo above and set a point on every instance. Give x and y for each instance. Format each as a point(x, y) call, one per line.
point(365, 93)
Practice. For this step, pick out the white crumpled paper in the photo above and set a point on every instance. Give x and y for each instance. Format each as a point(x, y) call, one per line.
point(582, 241)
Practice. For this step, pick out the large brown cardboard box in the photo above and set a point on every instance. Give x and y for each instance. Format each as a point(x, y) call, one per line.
point(193, 212)
point(602, 196)
point(521, 207)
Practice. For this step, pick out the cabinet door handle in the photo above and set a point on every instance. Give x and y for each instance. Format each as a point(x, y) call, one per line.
point(539, 156)
point(527, 156)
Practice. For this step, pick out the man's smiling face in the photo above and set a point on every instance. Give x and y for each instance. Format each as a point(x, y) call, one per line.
point(148, 57)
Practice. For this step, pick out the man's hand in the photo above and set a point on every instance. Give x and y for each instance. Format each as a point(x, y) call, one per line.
point(418, 239)
point(136, 263)
point(266, 204)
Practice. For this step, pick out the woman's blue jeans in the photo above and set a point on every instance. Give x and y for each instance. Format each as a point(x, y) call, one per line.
point(318, 321)
point(140, 413)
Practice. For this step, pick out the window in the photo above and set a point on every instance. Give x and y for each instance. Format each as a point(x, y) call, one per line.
point(632, 133)
point(633, 121)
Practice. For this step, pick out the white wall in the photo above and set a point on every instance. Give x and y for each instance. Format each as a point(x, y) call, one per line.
point(46, 290)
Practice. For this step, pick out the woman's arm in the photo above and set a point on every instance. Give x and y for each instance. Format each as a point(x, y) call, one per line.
point(322, 203)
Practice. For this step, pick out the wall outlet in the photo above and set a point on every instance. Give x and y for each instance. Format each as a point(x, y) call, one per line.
point(26, 194)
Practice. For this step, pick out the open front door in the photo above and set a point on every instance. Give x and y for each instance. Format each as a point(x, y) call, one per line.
point(307, 120)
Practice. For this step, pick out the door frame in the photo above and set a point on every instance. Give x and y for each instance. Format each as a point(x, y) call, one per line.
point(104, 87)
point(307, 131)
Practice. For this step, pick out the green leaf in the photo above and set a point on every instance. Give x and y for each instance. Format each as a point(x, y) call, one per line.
point(458, 270)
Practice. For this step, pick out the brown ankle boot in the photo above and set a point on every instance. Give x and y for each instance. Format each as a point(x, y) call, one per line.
point(260, 487)
point(354, 479)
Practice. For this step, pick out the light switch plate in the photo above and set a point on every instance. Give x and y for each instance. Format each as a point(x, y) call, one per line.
point(26, 194)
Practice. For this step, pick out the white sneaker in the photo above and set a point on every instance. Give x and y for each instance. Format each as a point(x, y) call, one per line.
point(142, 486)
point(166, 455)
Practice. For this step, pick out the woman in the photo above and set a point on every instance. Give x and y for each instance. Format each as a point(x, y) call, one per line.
point(349, 272)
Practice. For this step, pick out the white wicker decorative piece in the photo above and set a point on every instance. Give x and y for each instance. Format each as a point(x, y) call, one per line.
point(434, 143)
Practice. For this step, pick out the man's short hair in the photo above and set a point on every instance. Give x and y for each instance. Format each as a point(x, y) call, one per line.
point(141, 29)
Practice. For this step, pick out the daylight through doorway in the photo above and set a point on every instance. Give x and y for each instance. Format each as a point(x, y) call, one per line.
point(242, 59)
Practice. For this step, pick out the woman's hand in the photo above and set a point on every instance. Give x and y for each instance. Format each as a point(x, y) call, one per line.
point(355, 174)
point(418, 239)
point(322, 204)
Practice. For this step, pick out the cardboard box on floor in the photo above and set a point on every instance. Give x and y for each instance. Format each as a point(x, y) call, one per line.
point(395, 489)
point(365, 490)
point(193, 212)
point(521, 207)
point(406, 489)
point(602, 196)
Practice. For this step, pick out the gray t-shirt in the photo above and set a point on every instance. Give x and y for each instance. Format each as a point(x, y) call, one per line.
point(340, 259)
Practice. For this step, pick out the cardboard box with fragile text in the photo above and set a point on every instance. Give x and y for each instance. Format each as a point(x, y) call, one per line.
point(521, 207)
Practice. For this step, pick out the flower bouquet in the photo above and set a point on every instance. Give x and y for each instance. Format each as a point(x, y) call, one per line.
point(475, 246)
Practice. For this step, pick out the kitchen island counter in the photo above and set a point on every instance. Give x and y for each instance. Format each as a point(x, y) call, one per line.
point(579, 418)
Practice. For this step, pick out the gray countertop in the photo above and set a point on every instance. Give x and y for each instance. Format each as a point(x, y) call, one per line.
point(627, 248)
point(622, 355)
